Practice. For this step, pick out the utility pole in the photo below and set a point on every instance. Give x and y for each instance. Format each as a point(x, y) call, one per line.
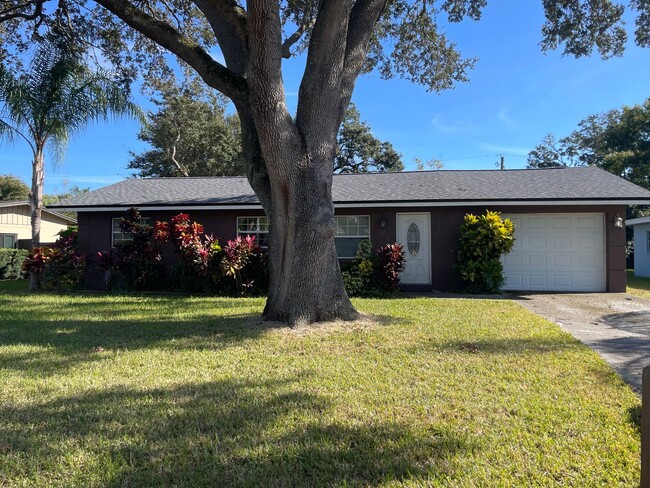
point(503, 163)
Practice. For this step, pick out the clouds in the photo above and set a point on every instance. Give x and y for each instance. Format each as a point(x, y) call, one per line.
point(453, 127)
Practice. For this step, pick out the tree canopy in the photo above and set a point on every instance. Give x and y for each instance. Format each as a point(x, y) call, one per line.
point(190, 135)
point(617, 141)
point(359, 151)
point(237, 49)
point(13, 188)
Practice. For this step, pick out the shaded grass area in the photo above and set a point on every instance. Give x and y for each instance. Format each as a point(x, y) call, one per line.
point(159, 391)
point(637, 285)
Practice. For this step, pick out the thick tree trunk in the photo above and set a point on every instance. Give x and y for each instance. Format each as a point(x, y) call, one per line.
point(36, 207)
point(305, 278)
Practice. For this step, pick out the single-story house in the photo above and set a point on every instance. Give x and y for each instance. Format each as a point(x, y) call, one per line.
point(16, 224)
point(569, 232)
point(641, 228)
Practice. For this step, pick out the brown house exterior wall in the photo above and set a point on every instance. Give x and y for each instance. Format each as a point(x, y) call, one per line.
point(95, 233)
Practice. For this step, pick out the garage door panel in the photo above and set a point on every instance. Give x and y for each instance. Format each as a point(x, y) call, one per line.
point(563, 280)
point(539, 261)
point(562, 223)
point(537, 242)
point(537, 280)
point(514, 260)
point(557, 252)
point(535, 223)
point(589, 223)
point(562, 261)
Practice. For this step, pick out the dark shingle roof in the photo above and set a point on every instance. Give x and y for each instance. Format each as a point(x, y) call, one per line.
point(561, 184)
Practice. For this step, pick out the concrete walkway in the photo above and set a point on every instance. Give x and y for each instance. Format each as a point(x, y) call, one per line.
point(616, 325)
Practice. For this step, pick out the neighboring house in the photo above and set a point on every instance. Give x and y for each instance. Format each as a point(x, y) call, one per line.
point(641, 228)
point(569, 229)
point(16, 226)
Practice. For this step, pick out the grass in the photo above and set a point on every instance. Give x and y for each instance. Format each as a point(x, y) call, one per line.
point(638, 286)
point(159, 391)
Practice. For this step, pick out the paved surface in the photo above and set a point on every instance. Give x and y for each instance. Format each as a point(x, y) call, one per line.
point(616, 325)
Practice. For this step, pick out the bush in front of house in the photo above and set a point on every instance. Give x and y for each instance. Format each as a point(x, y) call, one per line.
point(483, 240)
point(238, 268)
point(11, 261)
point(374, 275)
point(390, 263)
point(136, 264)
point(60, 266)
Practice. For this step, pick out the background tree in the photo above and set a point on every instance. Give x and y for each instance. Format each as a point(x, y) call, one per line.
point(550, 153)
point(56, 97)
point(359, 151)
point(13, 188)
point(617, 141)
point(191, 135)
point(290, 158)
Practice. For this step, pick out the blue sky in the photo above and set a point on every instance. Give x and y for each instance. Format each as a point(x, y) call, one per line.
point(516, 94)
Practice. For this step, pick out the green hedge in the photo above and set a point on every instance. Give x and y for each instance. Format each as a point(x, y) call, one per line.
point(10, 263)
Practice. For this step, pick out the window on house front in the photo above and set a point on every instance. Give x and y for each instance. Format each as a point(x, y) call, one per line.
point(350, 231)
point(254, 226)
point(117, 236)
point(8, 241)
point(647, 238)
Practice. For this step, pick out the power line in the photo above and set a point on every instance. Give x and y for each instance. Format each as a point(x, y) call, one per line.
point(483, 156)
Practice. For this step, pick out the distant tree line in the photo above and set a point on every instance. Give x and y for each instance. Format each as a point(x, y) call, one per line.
point(617, 141)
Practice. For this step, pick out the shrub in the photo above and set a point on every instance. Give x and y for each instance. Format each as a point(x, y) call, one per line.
point(59, 267)
point(483, 239)
point(11, 261)
point(238, 255)
point(390, 263)
point(373, 276)
point(135, 264)
point(204, 265)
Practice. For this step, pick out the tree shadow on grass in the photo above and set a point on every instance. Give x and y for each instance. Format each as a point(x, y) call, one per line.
point(220, 433)
point(524, 346)
point(634, 418)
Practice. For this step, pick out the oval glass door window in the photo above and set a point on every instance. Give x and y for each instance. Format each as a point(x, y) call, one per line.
point(413, 239)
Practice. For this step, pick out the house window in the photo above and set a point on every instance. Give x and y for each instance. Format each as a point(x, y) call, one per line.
point(8, 241)
point(647, 238)
point(350, 231)
point(254, 226)
point(117, 236)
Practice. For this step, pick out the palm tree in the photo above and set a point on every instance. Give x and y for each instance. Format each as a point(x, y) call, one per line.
point(57, 97)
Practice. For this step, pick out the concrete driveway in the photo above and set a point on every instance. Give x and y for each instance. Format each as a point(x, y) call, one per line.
point(616, 325)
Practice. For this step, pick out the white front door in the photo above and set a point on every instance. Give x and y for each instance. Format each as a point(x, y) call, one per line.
point(414, 233)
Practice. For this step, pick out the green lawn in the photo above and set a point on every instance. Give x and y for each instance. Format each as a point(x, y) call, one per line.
point(638, 286)
point(159, 391)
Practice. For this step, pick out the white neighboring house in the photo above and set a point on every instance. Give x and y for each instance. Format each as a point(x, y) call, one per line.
point(641, 228)
point(15, 224)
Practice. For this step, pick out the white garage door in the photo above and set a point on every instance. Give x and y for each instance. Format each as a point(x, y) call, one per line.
point(557, 252)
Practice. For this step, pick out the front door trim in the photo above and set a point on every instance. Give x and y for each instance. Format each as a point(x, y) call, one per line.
point(427, 216)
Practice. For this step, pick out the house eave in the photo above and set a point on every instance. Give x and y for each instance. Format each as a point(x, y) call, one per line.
point(374, 204)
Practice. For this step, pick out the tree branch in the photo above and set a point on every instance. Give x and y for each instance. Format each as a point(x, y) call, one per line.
point(321, 82)
point(15, 12)
point(363, 18)
point(295, 37)
point(229, 24)
point(216, 75)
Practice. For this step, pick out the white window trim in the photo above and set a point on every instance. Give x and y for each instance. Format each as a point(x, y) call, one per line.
point(255, 233)
point(15, 236)
point(143, 220)
point(355, 236)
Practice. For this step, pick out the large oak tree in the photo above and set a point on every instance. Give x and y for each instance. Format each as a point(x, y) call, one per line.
point(289, 157)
